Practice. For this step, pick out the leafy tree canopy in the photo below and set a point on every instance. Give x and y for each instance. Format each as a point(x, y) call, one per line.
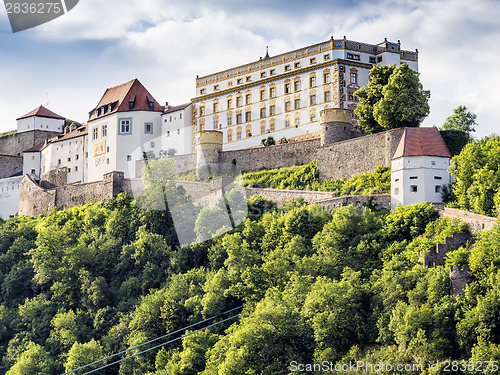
point(461, 120)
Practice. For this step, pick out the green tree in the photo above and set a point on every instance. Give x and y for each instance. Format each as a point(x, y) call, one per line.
point(35, 360)
point(82, 354)
point(393, 98)
point(461, 120)
point(269, 141)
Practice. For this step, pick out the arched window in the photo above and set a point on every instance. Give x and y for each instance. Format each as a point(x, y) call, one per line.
point(297, 119)
point(248, 130)
point(272, 125)
point(238, 132)
point(262, 127)
point(287, 121)
point(230, 135)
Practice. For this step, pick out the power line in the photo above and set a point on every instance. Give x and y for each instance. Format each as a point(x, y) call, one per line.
point(159, 338)
point(160, 345)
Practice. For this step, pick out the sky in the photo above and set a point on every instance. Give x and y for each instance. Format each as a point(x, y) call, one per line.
point(69, 62)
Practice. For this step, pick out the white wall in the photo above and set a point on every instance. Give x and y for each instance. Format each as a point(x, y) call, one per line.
point(39, 123)
point(177, 131)
point(122, 150)
point(32, 162)
point(10, 191)
point(424, 172)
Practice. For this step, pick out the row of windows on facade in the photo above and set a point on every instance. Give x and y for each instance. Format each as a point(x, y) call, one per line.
point(372, 59)
point(272, 72)
point(263, 128)
point(414, 189)
point(125, 127)
point(41, 127)
point(12, 188)
point(272, 93)
point(180, 118)
point(110, 107)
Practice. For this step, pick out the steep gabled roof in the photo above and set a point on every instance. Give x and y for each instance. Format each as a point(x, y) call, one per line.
point(42, 112)
point(120, 96)
point(421, 141)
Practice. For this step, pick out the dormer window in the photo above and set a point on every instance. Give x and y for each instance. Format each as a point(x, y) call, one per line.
point(109, 107)
point(130, 106)
point(98, 111)
point(151, 106)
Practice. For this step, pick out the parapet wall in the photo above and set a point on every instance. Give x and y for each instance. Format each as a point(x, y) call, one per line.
point(16, 143)
point(435, 256)
point(475, 223)
point(10, 165)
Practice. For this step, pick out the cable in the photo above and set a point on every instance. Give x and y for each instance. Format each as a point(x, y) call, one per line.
point(156, 339)
point(160, 345)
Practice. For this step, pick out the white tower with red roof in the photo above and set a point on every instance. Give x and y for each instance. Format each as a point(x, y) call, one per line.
point(40, 118)
point(419, 167)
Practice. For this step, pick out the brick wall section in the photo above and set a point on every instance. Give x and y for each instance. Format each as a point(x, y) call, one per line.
point(475, 223)
point(16, 143)
point(460, 277)
point(281, 196)
point(436, 255)
point(10, 165)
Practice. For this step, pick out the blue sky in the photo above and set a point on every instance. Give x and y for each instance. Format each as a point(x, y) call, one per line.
point(165, 44)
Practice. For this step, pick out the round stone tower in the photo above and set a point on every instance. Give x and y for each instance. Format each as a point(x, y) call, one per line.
point(336, 125)
point(208, 147)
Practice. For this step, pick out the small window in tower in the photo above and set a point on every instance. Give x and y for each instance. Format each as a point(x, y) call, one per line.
point(413, 188)
point(396, 191)
point(313, 60)
point(129, 157)
point(297, 65)
point(262, 74)
point(287, 68)
point(438, 177)
point(413, 177)
point(437, 189)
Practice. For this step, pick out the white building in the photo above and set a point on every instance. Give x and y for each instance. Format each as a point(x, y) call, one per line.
point(10, 191)
point(283, 95)
point(40, 119)
point(419, 167)
point(125, 124)
point(177, 129)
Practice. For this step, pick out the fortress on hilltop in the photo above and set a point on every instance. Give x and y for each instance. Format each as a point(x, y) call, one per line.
point(305, 95)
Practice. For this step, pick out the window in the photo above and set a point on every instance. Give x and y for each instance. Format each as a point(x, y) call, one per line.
point(125, 126)
point(76, 168)
point(95, 133)
point(326, 57)
point(239, 81)
point(287, 88)
point(297, 85)
point(248, 131)
point(354, 77)
point(352, 56)
point(229, 103)
point(297, 120)
point(229, 135)
point(312, 99)
point(379, 59)
point(248, 98)
point(262, 74)
point(203, 91)
point(313, 60)
point(216, 87)
point(287, 106)
point(313, 116)
point(272, 110)
point(438, 177)
point(33, 157)
point(238, 101)
point(413, 188)
point(327, 96)
point(437, 189)
point(216, 107)
point(272, 72)
point(151, 106)
point(180, 116)
point(230, 84)
point(262, 127)
point(263, 112)
point(287, 68)
point(216, 122)
point(312, 81)
point(148, 128)
point(107, 161)
point(296, 103)
point(272, 92)
point(238, 118)
point(168, 133)
point(202, 110)
point(372, 60)
point(249, 78)
point(326, 77)
point(105, 130)
point(297, 65)
point(178, 131)
point(248, 116)
point(152, 144)
point(69, 171)
point(77, 156)
point(287, 122)
point(32, 171)
point(229, 120)
point(69, 160)
point(271, 125)
point(129, 157)
point(413, 177)
point(396, 191)
point(238, 132)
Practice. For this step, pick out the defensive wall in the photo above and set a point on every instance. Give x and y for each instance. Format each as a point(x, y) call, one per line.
point(13, 143)
point(10, 165)
point(436, 255)
point(475, 222)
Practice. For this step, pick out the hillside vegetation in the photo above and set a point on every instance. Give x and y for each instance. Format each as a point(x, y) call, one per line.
point(82, 284)
point(306, 177)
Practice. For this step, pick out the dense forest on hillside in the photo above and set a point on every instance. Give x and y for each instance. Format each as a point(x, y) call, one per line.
point(82, 284)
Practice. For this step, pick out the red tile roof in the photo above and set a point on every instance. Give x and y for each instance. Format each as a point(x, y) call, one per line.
point(120, 96)
point(42, 112)
point(421, 141)
point(173, 108)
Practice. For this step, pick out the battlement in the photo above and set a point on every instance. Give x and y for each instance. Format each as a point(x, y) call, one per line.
point(435, 256)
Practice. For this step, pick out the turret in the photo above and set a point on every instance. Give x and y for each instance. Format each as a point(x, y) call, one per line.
point(336, 125)
point(208, 147)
